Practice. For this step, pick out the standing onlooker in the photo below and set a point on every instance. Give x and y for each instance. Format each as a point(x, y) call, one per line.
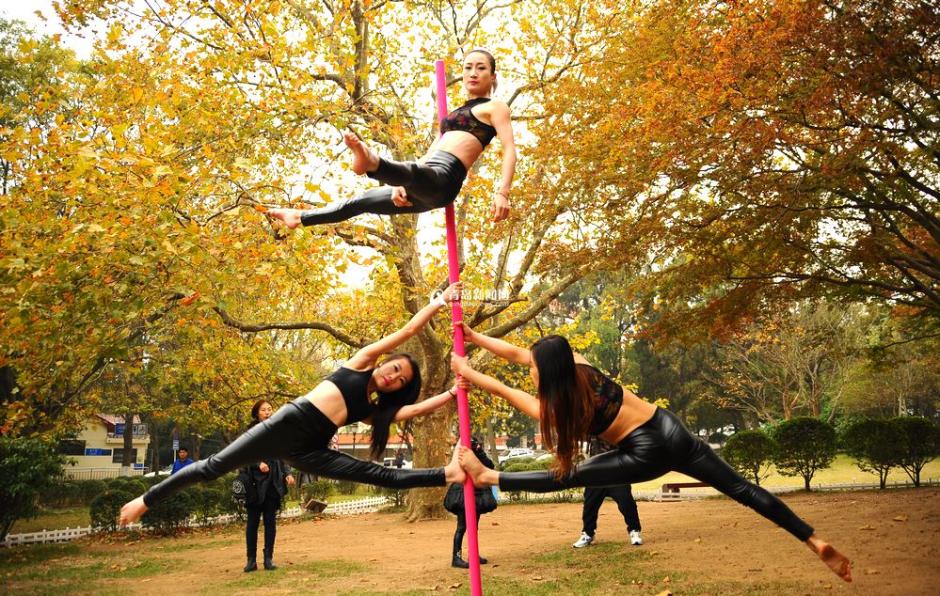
point(182, 460)
point(481, 501)
point(271, 477)
point(594, 498)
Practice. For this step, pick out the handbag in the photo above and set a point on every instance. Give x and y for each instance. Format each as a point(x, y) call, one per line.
point(484, 499)
point(244, 488)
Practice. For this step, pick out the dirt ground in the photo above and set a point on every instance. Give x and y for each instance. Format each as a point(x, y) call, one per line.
point(892, 537)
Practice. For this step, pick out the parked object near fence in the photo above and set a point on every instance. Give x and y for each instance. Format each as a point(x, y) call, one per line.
point(356, 507)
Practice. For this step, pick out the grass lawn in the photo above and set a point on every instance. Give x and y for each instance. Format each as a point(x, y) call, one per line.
point(54, 519)
point(843, 470)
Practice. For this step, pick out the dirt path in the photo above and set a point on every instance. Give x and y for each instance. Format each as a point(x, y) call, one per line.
point(714, 540)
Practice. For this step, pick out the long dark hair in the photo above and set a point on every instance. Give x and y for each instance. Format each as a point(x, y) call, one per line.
point(390, 403)
point(566, 397)
point(255, 409)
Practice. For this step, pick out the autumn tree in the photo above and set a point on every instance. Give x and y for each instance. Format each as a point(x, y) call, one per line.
point(132, 232)
point(763, 151)
point(793, 363)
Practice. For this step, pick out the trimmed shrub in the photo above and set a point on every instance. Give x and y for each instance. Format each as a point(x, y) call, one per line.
point(319, 490)
point(206, 501)
point(346, 487)
point(526, 464)
point(804, 445)
point(90, 489)
point(62, 492)
point(106, 507)
point(751, 453)
point(169, 515)
point(920, 444)
point(132, 484)
point(876, 445)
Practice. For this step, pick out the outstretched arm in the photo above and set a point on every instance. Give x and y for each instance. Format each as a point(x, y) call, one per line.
point(502, 122)
point(367, 355)
point(518, 399)
point(430, 404)
point(503, 349)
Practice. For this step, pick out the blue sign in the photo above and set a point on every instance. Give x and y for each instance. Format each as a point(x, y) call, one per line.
point(119, 428)
point(97, 451)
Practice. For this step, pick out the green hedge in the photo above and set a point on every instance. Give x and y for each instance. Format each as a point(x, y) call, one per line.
point(106, 507)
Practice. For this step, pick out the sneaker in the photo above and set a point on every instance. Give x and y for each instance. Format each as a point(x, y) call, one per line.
point(584, 540)
point(635, 538)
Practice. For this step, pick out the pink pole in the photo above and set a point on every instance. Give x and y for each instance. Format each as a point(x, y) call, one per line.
point(456, 315)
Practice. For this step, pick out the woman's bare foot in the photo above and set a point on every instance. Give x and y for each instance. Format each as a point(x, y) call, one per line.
point(836, 561)
point(132, 510)
point(364, 160)
point(453, 473)
point(480, 474)
point(290, 217)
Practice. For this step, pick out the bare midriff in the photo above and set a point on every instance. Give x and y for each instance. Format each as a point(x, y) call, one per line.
point(633, 414)
point(327, 398)
point(463, 145)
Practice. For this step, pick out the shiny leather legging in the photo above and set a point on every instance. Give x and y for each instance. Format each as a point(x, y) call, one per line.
point(298, 433)
point(662, 445)
point(429, 185)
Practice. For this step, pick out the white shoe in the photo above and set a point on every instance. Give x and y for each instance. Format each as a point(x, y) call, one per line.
point(583, 541)
point(635, 538)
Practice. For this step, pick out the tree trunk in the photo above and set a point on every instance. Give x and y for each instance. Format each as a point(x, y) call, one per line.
point(197, 443)
point(154, 445)
point(489, 442)
point(432, 446)
point(806, 480)
point(127, 461)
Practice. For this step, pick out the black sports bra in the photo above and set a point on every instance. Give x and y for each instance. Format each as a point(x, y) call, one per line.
point(354, 387)
point(463, 119)
point(608, 397)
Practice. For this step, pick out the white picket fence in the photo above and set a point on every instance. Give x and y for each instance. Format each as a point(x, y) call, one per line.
point(357, 507)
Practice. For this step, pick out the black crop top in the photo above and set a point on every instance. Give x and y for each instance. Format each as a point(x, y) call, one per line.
point(608, 397)
point(463, 119)
point(354, 387)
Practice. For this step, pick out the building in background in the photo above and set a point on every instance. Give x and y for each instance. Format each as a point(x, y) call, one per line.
point(97, 452)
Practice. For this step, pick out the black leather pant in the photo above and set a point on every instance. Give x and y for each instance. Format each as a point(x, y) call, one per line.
point(461, 531)
point(268, 510)
point(298, 433)
point(594, 498)
point(662, 445)
point(429, 185)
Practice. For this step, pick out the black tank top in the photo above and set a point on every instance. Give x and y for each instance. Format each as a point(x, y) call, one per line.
point(463, 119)
point(353, 386)
point(608, 397)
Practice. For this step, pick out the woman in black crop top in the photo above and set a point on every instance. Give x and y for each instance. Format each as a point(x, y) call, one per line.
point(576, 401)
point(434, 180)
point(299, 433)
